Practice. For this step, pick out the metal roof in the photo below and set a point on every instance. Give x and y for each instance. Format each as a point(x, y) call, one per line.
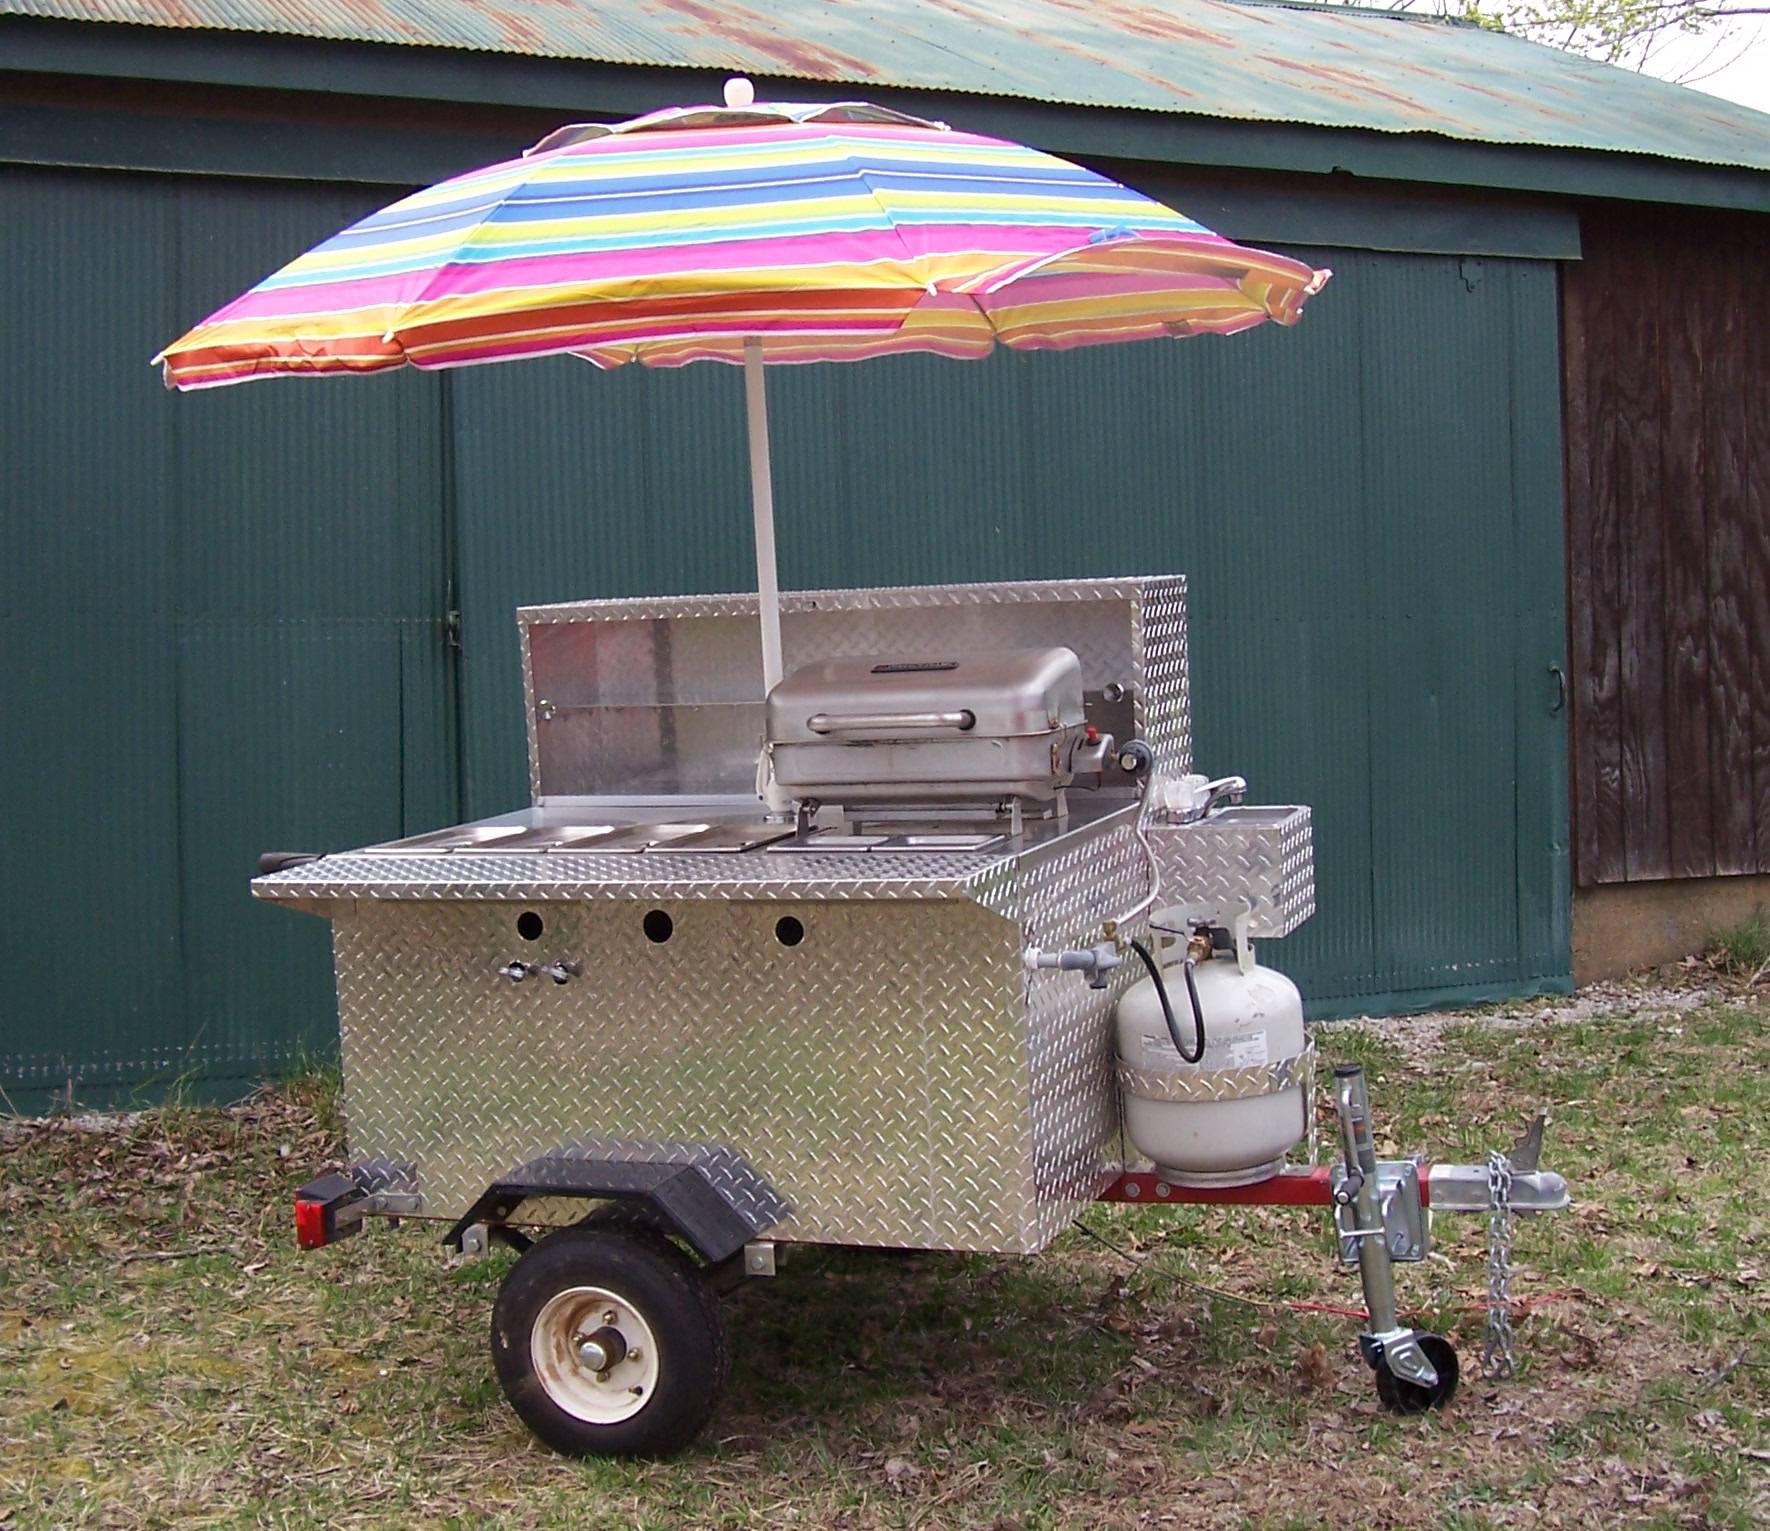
point(1251, 60)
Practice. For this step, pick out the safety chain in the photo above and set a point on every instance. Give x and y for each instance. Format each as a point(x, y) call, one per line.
point(1496, 1346)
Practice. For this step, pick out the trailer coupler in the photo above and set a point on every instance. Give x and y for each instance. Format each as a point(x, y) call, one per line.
point(1382, 1215)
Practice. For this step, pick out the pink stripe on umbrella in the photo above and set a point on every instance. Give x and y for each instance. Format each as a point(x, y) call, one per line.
point(726, 263)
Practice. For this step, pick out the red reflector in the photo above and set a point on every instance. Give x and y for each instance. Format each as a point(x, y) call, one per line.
point(310, 1225)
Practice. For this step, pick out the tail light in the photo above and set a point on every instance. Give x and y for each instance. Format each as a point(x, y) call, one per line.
point(326, 1211)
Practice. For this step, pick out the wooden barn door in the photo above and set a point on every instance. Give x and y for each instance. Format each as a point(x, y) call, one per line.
point(1668, 516)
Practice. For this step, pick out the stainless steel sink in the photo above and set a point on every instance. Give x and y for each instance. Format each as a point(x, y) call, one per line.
point(725, 838)
point(670, 835)
point(838, 842)
point(458, 838)
point(561, 837)
point(1250, 816)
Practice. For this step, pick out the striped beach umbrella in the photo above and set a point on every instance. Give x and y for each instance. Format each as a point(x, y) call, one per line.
point(749, 233)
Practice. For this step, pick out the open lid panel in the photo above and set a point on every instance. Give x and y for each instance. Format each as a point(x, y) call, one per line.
point(662, 696)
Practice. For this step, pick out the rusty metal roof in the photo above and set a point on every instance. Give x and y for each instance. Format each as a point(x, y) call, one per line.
point(1250, 60)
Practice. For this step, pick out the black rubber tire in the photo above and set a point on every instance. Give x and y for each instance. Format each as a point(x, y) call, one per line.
point(666, 1288)
point(1403, 1397)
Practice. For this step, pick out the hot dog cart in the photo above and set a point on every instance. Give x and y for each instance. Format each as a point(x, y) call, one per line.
point(986, 959)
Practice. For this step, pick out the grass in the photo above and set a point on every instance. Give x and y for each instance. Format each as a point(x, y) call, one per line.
point(168, 1358)
point(1742, 950)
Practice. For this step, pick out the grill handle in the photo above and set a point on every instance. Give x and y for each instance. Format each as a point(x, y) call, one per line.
point(851, 722)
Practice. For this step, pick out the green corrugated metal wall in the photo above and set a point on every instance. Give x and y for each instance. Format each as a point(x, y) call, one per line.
point(225, 615)
point(222, 628)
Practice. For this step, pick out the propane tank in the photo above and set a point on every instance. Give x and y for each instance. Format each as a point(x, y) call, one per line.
point(1197, 1128)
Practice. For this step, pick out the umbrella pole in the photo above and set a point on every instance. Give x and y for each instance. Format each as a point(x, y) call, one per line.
point(762, 507)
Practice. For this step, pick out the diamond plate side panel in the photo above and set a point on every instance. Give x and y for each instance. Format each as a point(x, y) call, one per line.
point(529, 717)
point(1164, 697)
point(1061, 897)
point(875, 1074)
point(1097, 631)
point(876, 598)
point(1220, 861)
point(661, 694)
point(572, 875)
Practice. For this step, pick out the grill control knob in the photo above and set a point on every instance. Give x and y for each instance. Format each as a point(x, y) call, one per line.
point(1136, 757)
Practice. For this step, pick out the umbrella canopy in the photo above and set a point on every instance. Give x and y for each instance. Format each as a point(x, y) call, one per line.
point(832, 233)
point(745, 233)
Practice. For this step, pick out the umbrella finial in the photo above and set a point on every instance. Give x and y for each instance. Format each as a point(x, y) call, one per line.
point(739, 92)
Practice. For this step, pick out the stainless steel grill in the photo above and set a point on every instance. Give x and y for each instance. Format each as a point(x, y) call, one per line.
point(991, 729)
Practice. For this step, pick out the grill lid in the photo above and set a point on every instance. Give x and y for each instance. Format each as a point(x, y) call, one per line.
point(1009, 694)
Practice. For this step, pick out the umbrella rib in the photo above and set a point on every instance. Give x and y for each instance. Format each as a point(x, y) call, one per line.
point(890, 218)
point(861, 175)
point(436, 271)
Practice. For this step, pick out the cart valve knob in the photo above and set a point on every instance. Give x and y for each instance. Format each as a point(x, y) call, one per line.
point(517, 971)
point(1095, 961)
point(563, 972)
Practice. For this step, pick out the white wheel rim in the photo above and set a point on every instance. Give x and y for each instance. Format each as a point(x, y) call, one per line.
point(562, 1328)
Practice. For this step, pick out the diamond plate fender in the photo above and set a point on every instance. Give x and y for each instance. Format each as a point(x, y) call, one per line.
point(705, 1192)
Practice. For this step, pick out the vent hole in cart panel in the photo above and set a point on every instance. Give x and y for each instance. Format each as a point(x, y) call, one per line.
point(529, 925)
point(658, 926)
point(788, 930)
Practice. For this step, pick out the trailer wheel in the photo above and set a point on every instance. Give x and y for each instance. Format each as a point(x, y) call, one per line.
point(608, 1342)
point(1403, 1397)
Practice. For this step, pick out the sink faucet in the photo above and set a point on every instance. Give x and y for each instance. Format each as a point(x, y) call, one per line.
point(1213, 792)
point(1187, 799)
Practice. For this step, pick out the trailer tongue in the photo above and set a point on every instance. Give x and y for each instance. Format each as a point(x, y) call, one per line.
point(993, 963)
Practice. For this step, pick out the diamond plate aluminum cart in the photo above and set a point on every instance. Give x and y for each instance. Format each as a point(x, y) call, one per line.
point(646, 1031)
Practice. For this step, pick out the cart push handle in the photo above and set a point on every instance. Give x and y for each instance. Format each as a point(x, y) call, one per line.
point(281, 861)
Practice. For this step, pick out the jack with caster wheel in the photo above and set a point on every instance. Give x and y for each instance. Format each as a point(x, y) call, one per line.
point(1401, 1374)
point(1415, 1372)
